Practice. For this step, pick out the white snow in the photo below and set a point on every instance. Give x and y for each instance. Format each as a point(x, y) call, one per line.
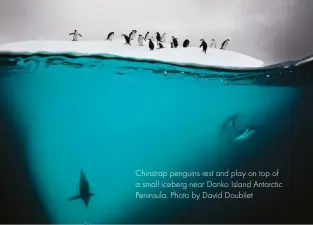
point(117, 47)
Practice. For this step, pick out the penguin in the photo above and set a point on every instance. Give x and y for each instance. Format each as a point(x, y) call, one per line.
point(213, 44)
point(110, 36)
point(84, 190)
point(127, 39)
point(246, 133)
point(224, 45)
point(158, 37)
point(163, 38)
point(175, 42)
point(140, 40)
point(75, 35)
point(147, 36)
point(172, 45)
point(230, 122)
point(151, 45)
point(186, 43)
point(132, 35)
point(204, 46)
point(160, 45)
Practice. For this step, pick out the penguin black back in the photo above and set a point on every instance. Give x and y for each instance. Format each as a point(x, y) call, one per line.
point(158, 36)
point(146, 35)
point(127, 39)
point(160, 45)
point(110, 36)
point(204, 45)
point(186, 43)
point(175, 42)
point(151, 45)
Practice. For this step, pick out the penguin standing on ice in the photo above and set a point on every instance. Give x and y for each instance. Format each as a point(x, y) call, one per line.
point(147, 36)
point(140, 40)
point(186, 43)
point(110, 36)
point(158, 37)
point(172, 45)
point(127, 39)
point(132, 35)
point(75, 35)
point(175, 42)
point(204, 46)
point(160, 45)
point(163, 38)
point(151, 45)
point(213, 44)
point(224, 45)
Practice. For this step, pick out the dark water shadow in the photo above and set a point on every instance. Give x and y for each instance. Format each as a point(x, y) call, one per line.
point(19, 202)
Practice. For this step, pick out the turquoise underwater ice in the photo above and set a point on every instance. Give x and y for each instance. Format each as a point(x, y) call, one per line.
point(110, 117)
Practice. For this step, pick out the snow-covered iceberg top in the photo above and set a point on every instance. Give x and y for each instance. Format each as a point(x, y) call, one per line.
point(180, 55)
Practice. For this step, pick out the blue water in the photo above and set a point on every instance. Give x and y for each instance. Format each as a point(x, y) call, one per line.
point(110, 117)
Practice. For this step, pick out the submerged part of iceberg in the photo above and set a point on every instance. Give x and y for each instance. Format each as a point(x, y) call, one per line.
point(182, 56)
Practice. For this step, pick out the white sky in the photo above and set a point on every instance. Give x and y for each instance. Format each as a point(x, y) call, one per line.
point(271, 30)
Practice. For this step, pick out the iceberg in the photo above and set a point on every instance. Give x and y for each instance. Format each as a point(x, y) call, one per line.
point(117, 48)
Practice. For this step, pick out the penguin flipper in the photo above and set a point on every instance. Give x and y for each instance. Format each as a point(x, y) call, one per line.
point(75, 197)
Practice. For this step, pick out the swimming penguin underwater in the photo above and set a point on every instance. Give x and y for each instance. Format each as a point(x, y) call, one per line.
point(204, 45)
point(151, 45)
point(230, 122)
point(84, 190)
point(75, 35)
point(186, 43)
point(110, 36)
point(127, 39)
point(247, 133)
point(224, 45)
point(140, 40)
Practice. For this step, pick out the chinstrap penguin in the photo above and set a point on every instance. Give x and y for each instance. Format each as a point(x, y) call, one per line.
point(140, 40)
point(175, 42)
point(147, 36)
point(132, 35)
point(84, 190)
point(151, 45)
point(127, 39)
point(186, 43)
point(224, 45)
point(213, 44)
point(204, 45)
point(75, 35)
point(163, 38)
point(160, 45)
point(110, 36)
point(246, 133)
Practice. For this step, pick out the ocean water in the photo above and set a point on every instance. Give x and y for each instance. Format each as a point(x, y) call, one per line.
point(110, 117)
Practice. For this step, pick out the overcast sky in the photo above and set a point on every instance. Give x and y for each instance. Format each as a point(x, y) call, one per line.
point(271, 30)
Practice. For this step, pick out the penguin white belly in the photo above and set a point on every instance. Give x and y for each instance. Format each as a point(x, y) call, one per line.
point(245, 135)
point(75, 36)
point(225, 45)
point(140, 41)
point(163, 39)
